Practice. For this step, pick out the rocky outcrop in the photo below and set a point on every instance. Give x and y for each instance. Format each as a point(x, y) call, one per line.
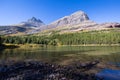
point(111, 25)
point(36, 70)
point(102, 26)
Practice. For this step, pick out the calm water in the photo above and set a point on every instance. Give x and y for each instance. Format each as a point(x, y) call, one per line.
point(109, 74)
point(64, 54)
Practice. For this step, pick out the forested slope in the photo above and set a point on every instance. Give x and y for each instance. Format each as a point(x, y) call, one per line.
point(92, 37)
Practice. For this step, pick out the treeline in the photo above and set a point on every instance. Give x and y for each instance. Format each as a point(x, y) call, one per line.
point(1, 43)
point(43, 40)
point(0, 40)
point(67, 39)
point(89, 38)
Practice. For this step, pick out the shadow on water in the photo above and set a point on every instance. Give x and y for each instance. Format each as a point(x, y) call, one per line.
point(62, 54)
point(53, 54)
point(2, 46)
point(112, 58)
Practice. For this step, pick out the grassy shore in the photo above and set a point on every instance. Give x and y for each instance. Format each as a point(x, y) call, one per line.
point(40, 45)
point(94, 45)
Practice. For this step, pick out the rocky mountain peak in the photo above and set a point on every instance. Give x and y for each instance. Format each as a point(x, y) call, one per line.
point(73, 19)
point(32, 22)
point(80, 15)
point(33, 19)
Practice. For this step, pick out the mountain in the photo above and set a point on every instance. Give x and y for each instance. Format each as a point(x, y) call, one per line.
point(33, 22)
point(78, 21)
point(73, 19)
point(75, 22)
point(6, 30)
point(23, 27)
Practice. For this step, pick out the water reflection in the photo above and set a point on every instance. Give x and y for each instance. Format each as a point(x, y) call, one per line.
point(63, 54)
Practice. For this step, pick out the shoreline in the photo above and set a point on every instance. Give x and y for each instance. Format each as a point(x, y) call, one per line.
point(46, 70)
point(40, 45)
point(33, 70)
point(94, 45)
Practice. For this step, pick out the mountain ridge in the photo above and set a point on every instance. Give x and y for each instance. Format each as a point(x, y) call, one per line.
point(77, 21)
point(23, 27)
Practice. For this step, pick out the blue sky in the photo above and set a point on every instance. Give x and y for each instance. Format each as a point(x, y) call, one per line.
point(15, 11)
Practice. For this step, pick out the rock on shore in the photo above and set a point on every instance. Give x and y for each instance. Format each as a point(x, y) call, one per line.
point(36, 70)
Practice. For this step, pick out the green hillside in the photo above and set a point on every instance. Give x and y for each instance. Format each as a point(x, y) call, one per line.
point(93, 37)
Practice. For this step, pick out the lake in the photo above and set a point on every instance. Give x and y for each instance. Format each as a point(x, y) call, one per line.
point(63, 54)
